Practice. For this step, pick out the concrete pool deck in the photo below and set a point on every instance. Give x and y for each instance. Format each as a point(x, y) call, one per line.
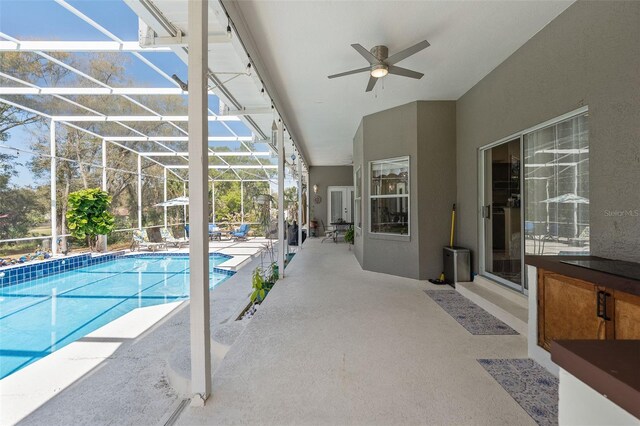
point(119, 373)
point(332, 344)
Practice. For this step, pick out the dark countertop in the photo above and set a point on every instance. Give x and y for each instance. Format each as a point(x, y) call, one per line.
point(604, 279)
point(610, 367)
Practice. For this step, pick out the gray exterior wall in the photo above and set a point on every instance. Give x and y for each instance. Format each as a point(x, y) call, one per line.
point(589, 55)
point(324, 177)
point(358, 147)
point(424, 131)
point(437, 180)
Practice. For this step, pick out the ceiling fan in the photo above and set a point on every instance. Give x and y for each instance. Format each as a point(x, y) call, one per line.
point(382, 64)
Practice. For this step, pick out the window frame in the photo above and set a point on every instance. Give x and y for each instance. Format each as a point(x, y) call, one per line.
point(357, 198)
point(406, 195)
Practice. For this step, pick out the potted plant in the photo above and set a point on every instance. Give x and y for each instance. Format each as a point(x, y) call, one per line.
point(349, 236)
point(88, 215)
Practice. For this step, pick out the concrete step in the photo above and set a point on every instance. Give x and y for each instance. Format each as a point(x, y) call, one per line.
point(507, 305)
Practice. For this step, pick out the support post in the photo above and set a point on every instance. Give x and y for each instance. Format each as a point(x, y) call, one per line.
point(213, 201)
point(242, 201)
point(164, 195)
point(281, 223)
point(104, 165)
point(139, 192)
point(102, 240)
point(54, 206)
point(198, 201)
point(184, 208)
point(299, 203)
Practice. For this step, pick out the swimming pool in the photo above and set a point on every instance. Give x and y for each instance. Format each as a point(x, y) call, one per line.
point(40, 316)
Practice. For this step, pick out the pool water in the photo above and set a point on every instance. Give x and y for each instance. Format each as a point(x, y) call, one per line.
point(42, 315)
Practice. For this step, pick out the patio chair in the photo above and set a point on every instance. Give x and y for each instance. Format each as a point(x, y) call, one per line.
point(214, 232)
point(169, 238)
point(141, 241)
point(329, 233)
point(241, 233)
point(582, 239)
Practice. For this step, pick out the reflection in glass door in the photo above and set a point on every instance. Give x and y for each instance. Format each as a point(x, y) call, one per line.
point(501, 213)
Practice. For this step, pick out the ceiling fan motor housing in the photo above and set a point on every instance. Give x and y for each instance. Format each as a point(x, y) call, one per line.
point(380, 52)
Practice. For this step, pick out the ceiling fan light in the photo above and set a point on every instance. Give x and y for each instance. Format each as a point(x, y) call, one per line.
point(379, 71)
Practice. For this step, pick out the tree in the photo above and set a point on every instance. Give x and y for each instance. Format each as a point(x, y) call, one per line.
point(88, 215)
point(20, 208)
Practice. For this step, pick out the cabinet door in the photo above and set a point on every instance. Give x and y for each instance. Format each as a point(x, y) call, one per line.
point(567, 310)
point(627, 316)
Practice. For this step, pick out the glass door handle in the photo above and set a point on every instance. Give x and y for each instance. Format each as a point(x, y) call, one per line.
point(486, 212)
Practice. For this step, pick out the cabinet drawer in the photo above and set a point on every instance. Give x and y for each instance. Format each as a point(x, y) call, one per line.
point(627, 316)
point(567, 310)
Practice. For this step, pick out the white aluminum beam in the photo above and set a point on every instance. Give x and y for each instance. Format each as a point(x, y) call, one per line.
point(53, 178)
point(136, 118)
point(174, 138)
point(77, 46)
point(281, 222)
point(299, 203)
point(224, 167)
point(101, 91)
point(211, 154)
point(139, 192)
point(198, 202)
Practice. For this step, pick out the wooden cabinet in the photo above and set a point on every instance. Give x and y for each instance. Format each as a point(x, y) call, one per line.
point(572, 309)
point(626, 316)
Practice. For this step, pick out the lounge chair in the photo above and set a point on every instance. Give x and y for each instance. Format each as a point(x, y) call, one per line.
point(240, 233)
point(141, 241)
point(169, 238)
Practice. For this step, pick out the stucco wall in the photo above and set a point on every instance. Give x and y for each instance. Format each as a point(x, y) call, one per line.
point(437, 181)
point(424, 131)
point(325, 176)
point(589, 55)
point(388, 134)
point(358, 146)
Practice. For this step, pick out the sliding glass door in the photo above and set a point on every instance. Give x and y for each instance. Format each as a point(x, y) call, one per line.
point(534, 197)
point(501, 213)
point(556, 179)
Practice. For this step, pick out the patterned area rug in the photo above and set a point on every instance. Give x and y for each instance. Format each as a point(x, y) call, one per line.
point(471, 316)
point(533, 387)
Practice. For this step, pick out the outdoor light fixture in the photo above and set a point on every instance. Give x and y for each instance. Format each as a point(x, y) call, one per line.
point(379, 71)
point(184, 86)
point(229, 28)
point(315, 188)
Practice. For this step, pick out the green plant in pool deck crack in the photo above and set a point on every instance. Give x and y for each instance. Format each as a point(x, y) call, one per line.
point(88, 215)
point(262, 282)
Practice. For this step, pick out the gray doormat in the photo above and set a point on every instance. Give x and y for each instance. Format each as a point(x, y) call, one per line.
point(469, 315)
point(533, 387)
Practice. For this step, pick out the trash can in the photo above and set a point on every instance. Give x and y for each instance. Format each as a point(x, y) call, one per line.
point(457, 264)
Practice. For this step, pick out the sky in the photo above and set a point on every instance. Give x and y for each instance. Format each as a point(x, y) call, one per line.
point(46, 20)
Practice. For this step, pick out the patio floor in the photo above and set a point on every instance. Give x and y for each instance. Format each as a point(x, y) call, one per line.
point(333, 344)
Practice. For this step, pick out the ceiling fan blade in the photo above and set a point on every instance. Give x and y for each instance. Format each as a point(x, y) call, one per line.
point(372, 82)
point(350, 72)
point(405, 72)
point(404, 54)
point(366, 54)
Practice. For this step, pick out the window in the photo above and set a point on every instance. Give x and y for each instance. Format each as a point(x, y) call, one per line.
point(556, 185)
point(389, 196)
point(358, 197)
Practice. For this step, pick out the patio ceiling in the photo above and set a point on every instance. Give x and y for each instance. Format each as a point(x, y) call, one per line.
point(302, 42)
point(135, 123)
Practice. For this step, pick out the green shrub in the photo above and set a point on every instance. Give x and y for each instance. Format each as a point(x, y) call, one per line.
point(88, 215)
